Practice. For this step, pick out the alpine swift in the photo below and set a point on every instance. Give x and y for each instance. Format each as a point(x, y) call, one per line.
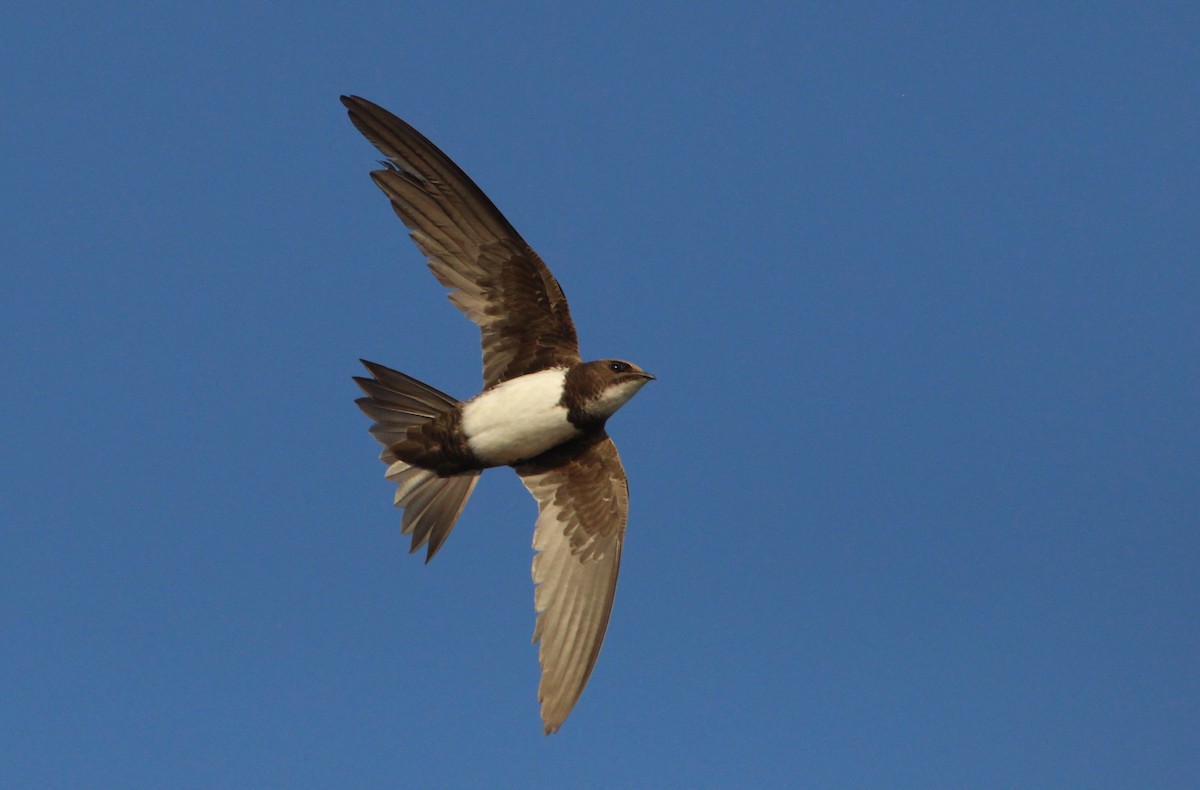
point(542, 410)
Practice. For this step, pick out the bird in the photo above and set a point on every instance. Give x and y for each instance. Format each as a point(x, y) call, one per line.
point(542, 410)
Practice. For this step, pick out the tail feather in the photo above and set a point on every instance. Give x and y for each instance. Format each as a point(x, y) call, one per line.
point(432, 503)
point(396, 402)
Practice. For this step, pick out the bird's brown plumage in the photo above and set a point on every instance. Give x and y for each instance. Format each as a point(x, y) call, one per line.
point(497, 279)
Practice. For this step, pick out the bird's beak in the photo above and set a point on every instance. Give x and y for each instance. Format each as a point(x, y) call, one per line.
point(649, 376)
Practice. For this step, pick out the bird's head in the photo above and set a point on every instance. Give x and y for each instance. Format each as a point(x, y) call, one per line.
point(605, 385)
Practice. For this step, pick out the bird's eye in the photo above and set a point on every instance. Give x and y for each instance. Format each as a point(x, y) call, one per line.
point(618, 367)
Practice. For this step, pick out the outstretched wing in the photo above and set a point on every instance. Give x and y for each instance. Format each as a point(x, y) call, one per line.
point(583, 504)
point(497, 279)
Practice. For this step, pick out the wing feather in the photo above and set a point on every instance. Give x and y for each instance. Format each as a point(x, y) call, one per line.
point(495, 277)
point(583, 505)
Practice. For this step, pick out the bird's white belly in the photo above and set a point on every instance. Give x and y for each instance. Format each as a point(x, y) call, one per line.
point(518, 419)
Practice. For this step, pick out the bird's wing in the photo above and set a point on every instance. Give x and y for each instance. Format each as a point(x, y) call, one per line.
point(583, 504)
point(497, 279)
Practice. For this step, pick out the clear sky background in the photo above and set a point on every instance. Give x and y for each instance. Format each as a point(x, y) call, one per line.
point(914, 498)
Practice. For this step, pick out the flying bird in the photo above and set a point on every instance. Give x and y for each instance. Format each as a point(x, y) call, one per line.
point(542, 409)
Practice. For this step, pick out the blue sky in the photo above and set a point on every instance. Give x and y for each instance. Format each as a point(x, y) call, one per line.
point(914, 498)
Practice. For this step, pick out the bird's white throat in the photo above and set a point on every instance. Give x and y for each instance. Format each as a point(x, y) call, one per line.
point(614, 397)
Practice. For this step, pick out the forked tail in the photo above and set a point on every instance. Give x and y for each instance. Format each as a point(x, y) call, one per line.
point(432, 503)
